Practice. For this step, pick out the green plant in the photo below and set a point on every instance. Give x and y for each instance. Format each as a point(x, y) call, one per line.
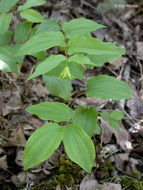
point(133, 182)
point(76, 48)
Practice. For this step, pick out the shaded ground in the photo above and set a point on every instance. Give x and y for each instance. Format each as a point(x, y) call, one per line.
point(121, 160)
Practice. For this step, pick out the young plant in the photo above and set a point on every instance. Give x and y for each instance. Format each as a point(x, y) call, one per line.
point(76, 48)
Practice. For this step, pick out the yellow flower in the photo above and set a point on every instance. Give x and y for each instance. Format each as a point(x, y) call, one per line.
point(65, 73)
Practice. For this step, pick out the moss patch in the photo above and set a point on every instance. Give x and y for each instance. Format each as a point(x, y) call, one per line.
point(67, 174)
point(104, 170)
point(131, 183)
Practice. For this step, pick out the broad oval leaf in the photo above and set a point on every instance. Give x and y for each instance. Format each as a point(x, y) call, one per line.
point(93, 46)
point(42, 144)
point(49, 25)
point(31, 15)
point(80, 26)
point(54, 111)
point(57, 87)
point(5, 20)
point(40, 56)
point(76, 70)
point(6, 5)
point(7, 61)
point(104, 115)
point(114, 124)
point(79, 146)
point(41, 42)
point(6, 38)
point(98, 129)
point(86, 119)
point(107, 87)
point(81, 59)
point(21, 31)
point(31, 3)
point(117, 115)
point(100, 60)
point(47, 65)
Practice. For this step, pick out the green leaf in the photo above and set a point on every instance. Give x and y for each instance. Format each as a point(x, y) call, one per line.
point(31, 15)
point(93, 46)
point(76, 70)
point(33, 31)
point(86, 118)
point(57, 87)
point(7, 62)
point(40, 55)
point(116, 115)
point(81, 59)
point(42, 144)
point(98, 130)
point(79, 146)
point(21, 31)
point(41, 42)
point(106, 87)
point(5, 20)
point(6, 5)
point(80, 26)
point(105, 115)
point(56, 71)
point(100, 60)
point(14, 49)
point(31, 3)
point(48, 64)
point(49, 25)
point(114, 124)
point(54, 111)
point(6, 38)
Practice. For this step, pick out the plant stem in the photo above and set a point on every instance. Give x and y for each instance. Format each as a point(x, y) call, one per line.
point(66, 51)
point(102, 133)
point(84, 79)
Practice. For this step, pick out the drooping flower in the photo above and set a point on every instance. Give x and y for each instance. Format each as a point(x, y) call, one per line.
point(65, 73)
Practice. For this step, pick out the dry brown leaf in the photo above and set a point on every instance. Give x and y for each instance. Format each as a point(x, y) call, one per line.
point(58, 187)
point(108, 132)
point(109, 186)
point(40, 90)
point(13, 104)
point(52, 161)
point(69, 188)
point(120, 160)
point(3, 162)
point(88, 183)
point(17, 138)
point(19, 158)
point(35, 122)
point(115, 65)
point(123, 139)
point(139, 46)
point(19, 179)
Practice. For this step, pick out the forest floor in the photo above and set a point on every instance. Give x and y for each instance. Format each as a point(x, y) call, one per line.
point(120, 163)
